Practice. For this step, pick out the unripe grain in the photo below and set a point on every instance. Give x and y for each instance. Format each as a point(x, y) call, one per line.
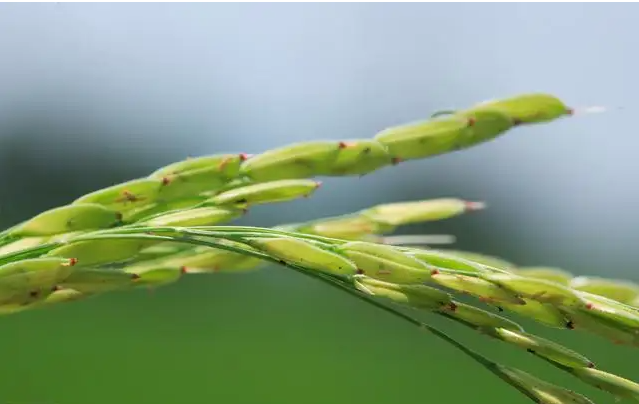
point(484, 259)
point(190, 183)
point(155, 275)
point(611, 311)
point(300, 160)
point(385, 263)
point(416, 296)
point(425, 138)
point(621, 291)
point(151, 210)
point(542, 347)
point(556, 275)
point(441, 259)
point(533, 288)
point(484, 125)
point(101, 251)
point(358, 157)
point(529, 108)
point(205, 260)
point(305, 254)
point(543, 392)
point(94, 280)
point(266, 192)
point(204, 216)
point(226, 166)
point(483, 289)
point(26, 281)
point(351, 227)
point(479, 318)
point(403, 213)
point(81, 216)
point(125, 196)
point(620, 387)
point(583, 319)
point(540, 312)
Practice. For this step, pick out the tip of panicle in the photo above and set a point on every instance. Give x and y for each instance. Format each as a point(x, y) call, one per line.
point(184, 270)
point(56, 288)
point(396, 160)
point(318, 184)
point(72, 261)
point(595, 109)
point(135, 276)
point(245, 156)
point(472, 206)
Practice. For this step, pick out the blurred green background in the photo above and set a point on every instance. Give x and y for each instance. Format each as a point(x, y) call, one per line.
point(95, 94)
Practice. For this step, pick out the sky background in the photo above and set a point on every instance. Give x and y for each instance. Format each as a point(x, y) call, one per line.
point(95, 94)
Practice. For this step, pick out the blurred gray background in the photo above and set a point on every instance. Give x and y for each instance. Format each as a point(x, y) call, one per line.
point(95, 94)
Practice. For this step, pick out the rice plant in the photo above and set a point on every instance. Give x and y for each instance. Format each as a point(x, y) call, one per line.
point(152, 231)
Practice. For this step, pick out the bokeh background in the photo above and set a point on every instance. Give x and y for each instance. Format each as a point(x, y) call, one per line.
point(95, 94)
